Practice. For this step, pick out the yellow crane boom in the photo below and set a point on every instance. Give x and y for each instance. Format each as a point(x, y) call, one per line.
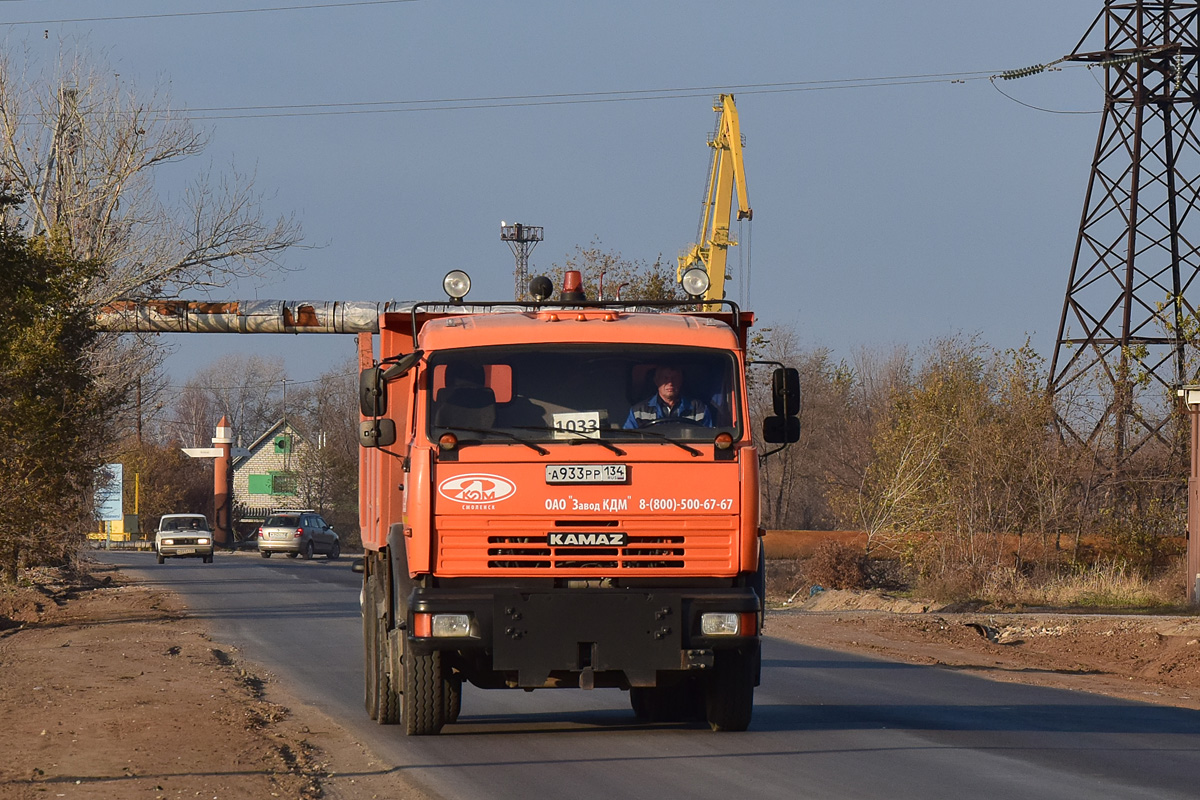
point(728, 171)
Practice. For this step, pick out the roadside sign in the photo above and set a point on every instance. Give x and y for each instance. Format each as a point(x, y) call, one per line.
point(109, 488)
point(203, 452)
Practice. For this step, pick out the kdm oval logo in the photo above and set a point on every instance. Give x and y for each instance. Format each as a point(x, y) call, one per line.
point(475, 489)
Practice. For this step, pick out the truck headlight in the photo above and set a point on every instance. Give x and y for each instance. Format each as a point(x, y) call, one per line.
point(451, 625)
point(441, 626)
point(168, 541)
point(720, 624)
point(202, 540)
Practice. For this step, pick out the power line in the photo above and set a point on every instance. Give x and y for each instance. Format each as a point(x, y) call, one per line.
point(565, 98)
point(1037, 108)
point(166, 15)
point(255, 385)
point(352, 108)
point(740, 87)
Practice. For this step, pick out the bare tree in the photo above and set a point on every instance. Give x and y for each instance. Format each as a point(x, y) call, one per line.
point(193, 419)
point(247, 390)
point(81, 149)
point(619, 276)
point(328, 478)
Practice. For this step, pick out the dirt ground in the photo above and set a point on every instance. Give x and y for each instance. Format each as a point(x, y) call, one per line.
point(1153, 659)
point(110, 691)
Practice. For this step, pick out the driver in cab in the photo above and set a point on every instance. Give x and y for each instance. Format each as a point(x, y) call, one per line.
point(669, 402)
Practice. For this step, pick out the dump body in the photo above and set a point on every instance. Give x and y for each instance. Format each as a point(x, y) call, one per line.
point(534, 526)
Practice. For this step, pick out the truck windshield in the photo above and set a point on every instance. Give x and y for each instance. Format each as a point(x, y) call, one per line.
point(574, 392)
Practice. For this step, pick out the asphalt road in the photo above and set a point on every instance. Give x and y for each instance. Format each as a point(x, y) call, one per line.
point(826, 724)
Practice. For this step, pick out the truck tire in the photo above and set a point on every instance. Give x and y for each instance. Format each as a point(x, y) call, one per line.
point(265, 553)
point(424, 694)
point(453, 699)
point(380, 697)
point(729, 695)
point(370, 648)
point(389, 698)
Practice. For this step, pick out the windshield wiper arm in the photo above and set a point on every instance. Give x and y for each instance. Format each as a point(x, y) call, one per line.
point(488, 431)
point(665, 438)
point(584, 436)
point(596, 440)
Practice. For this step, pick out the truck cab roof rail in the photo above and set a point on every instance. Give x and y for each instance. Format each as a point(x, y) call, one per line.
point(441, 307)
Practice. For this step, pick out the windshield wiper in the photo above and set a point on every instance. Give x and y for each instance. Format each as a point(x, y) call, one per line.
point(489, 431)
point(585, 437)
point(665, 438)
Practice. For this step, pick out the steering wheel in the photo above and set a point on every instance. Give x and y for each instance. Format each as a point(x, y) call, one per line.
point(679, 420)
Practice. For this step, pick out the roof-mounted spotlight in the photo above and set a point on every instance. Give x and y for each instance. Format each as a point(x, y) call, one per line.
point(540, 288)
point(456, 283)
point(694, 282)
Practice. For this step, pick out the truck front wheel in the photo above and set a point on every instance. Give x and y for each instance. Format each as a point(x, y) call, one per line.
point(424, 693)
point(729, 694)
point(453, 699)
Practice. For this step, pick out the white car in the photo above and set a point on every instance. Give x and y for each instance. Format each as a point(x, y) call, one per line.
point(184, 536)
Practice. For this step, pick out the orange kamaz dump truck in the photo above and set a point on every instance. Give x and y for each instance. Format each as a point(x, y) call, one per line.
point(562, 493)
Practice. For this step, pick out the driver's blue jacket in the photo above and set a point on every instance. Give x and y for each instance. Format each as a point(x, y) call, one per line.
point(654, 409)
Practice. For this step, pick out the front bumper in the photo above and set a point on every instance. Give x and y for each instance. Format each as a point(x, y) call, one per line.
point(637, 632)
point(185, 549)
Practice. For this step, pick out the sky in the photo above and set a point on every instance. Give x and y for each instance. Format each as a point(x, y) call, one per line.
point(888, 209)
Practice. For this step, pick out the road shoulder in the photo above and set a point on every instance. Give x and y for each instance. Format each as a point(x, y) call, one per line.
point(111, 691)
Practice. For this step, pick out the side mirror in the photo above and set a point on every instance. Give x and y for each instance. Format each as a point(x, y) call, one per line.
point(376, 433)
point(372, 392)
point(785, 392)
point(781, 430)
point(403, 365)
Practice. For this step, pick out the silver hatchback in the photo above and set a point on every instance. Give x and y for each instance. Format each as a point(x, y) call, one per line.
point(298, 533)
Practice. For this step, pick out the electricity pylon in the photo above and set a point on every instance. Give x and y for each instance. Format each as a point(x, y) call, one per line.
point(1128, 323)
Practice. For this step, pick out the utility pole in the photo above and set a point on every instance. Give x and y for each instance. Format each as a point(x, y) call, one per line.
point(1190, 395)
point(1123, 334)
point(521, 240)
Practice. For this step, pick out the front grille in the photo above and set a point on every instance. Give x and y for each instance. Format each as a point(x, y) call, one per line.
point(522, 552)
point(469, 546)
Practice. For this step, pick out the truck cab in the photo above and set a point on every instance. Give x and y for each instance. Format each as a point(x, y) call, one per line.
point(560, 496)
